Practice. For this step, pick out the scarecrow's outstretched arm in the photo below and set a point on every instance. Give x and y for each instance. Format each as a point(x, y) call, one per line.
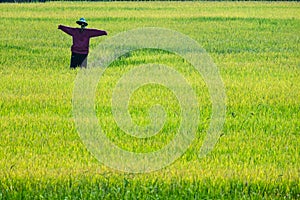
point(95, 32)
point(66, 29)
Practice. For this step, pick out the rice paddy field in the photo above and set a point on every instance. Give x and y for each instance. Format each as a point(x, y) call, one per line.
point(255, 46)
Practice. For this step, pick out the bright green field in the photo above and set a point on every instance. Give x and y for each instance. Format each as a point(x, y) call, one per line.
point(256, 48)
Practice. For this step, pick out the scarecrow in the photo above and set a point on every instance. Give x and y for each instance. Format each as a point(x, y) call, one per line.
point(81, 39)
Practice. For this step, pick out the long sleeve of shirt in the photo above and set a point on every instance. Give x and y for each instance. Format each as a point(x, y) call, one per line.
point(66, 29)
point(95, 32)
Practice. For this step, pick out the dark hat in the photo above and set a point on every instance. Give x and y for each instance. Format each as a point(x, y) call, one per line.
point(82, 21)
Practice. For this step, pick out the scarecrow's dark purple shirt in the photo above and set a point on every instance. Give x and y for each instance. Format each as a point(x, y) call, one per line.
point(81, 39)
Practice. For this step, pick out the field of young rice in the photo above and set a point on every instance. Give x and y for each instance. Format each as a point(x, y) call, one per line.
point(255, 46)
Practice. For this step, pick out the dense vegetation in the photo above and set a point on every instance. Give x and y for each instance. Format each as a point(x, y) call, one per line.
point(254, 45)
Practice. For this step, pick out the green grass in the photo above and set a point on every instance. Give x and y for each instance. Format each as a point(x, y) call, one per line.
point(256, 48)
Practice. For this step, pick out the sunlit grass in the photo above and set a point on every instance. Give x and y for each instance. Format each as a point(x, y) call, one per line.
point(254, 45)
